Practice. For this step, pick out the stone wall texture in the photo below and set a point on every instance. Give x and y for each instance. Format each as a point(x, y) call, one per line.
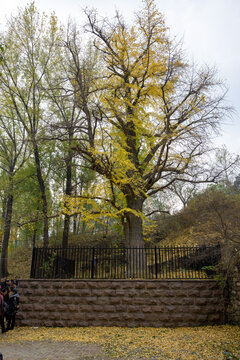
point(233, 310)
point(120, 303)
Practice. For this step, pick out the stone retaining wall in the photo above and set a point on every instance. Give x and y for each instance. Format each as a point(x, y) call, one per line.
point(233, 310)
point(120, 303)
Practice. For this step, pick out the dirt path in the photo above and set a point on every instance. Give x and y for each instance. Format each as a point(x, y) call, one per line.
point(48, 350)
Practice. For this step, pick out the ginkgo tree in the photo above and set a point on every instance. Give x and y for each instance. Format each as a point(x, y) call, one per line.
point(148, 116)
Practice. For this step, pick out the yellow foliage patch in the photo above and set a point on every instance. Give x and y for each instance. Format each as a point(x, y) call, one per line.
point(210, 342)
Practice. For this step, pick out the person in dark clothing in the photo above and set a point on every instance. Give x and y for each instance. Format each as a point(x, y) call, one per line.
point(13, 306)
point(2, 312)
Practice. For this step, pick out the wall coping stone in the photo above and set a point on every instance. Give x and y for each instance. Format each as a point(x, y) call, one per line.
point(123, 280)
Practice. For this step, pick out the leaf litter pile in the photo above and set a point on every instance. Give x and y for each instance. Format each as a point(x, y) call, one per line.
point(210, 342)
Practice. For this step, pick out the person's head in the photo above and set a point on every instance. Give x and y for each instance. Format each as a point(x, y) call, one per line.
point(4, 291)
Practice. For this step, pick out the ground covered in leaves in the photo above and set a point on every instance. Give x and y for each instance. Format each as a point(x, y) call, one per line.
point(218, 342)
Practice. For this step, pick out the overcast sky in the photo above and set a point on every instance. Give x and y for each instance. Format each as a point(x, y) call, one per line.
point(210, 30)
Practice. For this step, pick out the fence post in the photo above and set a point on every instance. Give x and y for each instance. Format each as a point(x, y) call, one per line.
point(156, 266)
point(33, 265)
point(93, 256)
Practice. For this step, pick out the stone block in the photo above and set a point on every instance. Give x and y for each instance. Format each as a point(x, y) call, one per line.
point(163, 317)
point(114, 317)
point(201, 301)
point(128, 284)
point(109, 292)
point(158, 308)
point(126, 300)
point(57, 284)
point(97, 284)
point(35, 285)
point(133, 308)
point(206, 293)
point(50, 307)
point(62, 307)
point(93, 316)
point(55, 300)
point(169, 293)
point(188, 301)
point(65, 316)
point(215, 318)
point(26, 307)
point(141, 301)
point(176, 301)
point(144, 293)
point(28, 292)
point(46, 284)
point(81, 285)
point(65, 300)
point(38, 307)
point(163, 285)
point(146, 309)
point(127, 316)
point(68, 285)
point(171, 308)
point(98, 292)
point(121, 292)
point(139, 316)
point(62, 292)
point(180, 293)
point(152, 285)
point(23, 284)
point(164, 301)
point(84, 308)
point(103, 300)
point(22, 315)
point(151, 301)
point(74, 292)
point(175, 285)
point(158, 293)
point(79, 316)
point(49, 292)
point(139, 285)
point(114, 300)
point(195, 293)
point(97, 308)
point(109, 308)
point(91, 300)
point(120, 308)
point(187, 285)
point(201, 318)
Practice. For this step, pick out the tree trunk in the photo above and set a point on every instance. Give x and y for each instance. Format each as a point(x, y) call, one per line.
point(43, 194)
point(137, 262)
point(68, 192)
point(6, 234)
point(133, 224)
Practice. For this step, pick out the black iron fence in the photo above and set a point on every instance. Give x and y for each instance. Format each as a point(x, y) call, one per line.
point(167, 262)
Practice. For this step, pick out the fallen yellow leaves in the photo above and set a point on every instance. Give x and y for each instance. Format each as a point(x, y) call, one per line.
point(210, 342)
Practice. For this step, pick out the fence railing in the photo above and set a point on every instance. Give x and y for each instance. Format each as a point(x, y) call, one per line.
point(180, 262)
